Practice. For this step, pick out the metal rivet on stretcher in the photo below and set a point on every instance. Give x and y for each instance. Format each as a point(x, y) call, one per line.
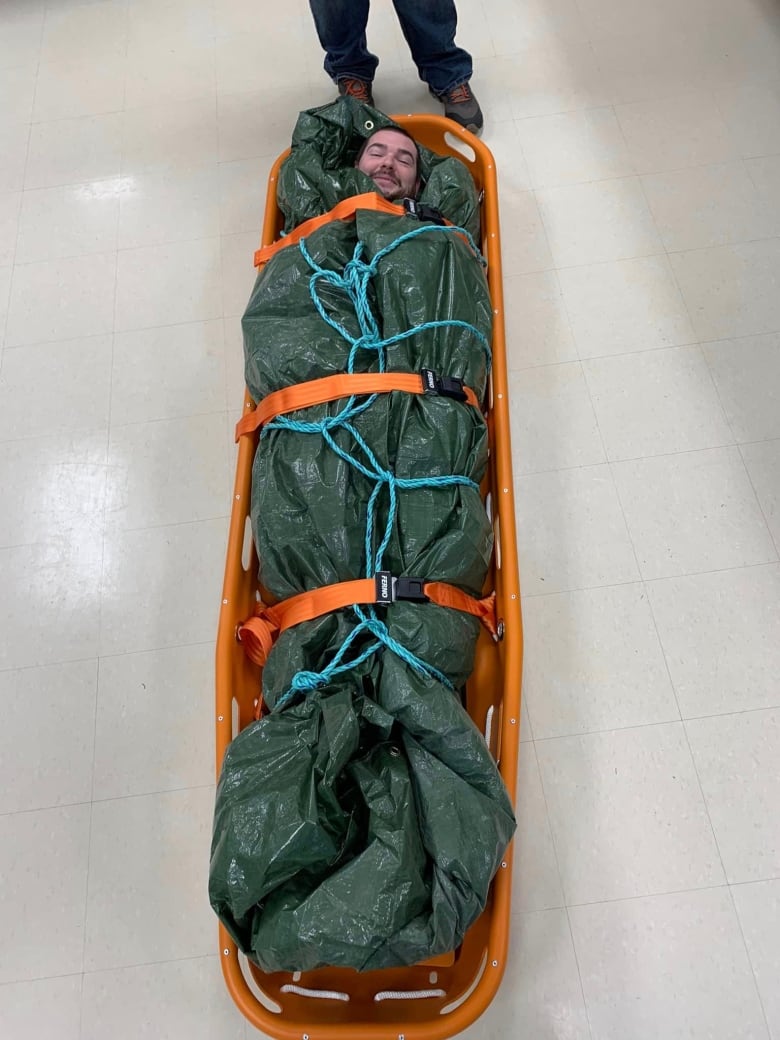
point(220, 718)
point(224, 602)
point(495, 964)
point(369, 124)
point(504, 865)
point(513, 721)
point(226, 952)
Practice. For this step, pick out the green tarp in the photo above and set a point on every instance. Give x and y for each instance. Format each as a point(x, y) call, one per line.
point(361, 821)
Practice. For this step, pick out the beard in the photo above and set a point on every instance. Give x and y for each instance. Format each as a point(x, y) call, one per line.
point(390, 188)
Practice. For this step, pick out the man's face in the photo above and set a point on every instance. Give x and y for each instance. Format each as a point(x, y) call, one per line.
point(390, 160)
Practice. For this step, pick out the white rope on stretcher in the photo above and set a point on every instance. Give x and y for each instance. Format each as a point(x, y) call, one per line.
point(326, 994)
point(408, 994)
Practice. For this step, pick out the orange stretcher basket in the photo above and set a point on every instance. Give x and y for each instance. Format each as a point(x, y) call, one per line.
point(441, 997)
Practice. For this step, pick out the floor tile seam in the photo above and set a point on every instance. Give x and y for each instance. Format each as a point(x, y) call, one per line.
point(104, 971)
point(152, 794)
point(681, 717)
point(12, 262)
point(630, 728)
point(721, 885)
point(583, 995)
point(8, 813)
point(92, 792)
point(159, 167)
point(774, 155)
point(4, 329)
point(112, 530)
point(753, 972)
point(116, 332)
point(548, 822)
point(162, 649)
point(638, 352)
point(85, 115)
point(53, 259)
point(710, 342)
point(41, 978)
point(738, 713)
point(682, 296)
point(605, 730)
point(650, 581)
point(602, 440)
point(155, 963)
point(167, 325)
point(775, 541)
point(655, 254)
point(638, 174)
point(99, 657)
point(738, 445)
point(731, 244)
point(566, 111)
point(706, 805)
point(35, 88)
point(103, 525)
point(608, 461)
point(691, 451)
point(159, 419)
point(87, 429)
point(770, 879)
point(65, 536)
point(718, 102)
point(516, 370)
point(545, 231)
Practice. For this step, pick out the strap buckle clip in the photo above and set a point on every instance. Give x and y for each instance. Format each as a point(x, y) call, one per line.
point(444, 386)
point(420, 211)
point(390, 589)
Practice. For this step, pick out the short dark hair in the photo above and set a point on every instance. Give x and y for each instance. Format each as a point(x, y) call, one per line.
point(397, 130)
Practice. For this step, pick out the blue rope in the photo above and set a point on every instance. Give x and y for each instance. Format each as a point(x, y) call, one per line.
point(354, 282)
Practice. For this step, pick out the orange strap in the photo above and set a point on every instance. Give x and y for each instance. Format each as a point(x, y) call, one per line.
point(259, 633)
point(331, 388)
point(344, 210)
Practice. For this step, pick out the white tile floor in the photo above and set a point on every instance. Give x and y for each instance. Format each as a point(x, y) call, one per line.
point(639, 153)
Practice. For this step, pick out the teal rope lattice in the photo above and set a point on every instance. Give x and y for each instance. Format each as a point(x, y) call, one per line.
point(353, 281)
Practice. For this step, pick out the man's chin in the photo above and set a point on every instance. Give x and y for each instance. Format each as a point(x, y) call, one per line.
point(389, 191)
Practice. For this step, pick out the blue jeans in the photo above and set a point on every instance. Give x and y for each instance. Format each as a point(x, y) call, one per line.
point(428, 25)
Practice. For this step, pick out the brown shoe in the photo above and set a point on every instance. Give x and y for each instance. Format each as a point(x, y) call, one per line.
point(461, 105)
point(359, 89)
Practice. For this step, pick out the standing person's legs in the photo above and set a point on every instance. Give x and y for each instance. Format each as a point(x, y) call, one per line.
point(429, 27)
point(341, 28)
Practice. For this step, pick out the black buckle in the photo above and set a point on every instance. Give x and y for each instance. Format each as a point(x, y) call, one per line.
point(422, 212)
point(390, 589)
point(444, 386)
